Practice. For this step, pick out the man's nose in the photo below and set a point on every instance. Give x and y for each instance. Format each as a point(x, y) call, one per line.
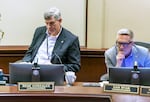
point(121, 46)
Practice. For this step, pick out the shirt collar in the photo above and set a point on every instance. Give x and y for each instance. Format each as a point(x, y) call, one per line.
point(133, 52)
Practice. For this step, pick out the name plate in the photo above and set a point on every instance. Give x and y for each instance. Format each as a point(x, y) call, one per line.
point(121, 88)
point(36, 86)
point(145, 90)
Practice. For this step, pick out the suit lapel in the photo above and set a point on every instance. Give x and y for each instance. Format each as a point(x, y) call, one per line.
point(60, 41)
point(40, 40)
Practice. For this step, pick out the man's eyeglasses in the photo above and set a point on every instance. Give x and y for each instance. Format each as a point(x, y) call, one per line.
point(124, 44)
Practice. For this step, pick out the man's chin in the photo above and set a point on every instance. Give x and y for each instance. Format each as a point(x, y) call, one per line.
point(53, 34)
point(121, 51)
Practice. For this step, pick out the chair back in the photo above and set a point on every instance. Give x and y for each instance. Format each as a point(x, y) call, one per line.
point(144, 44)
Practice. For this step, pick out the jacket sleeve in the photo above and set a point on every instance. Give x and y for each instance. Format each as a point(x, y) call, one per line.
point(73, 63)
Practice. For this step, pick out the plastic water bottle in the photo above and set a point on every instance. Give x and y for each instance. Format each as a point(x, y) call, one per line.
point(1, 75)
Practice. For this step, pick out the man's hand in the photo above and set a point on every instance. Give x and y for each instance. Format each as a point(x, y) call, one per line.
point(120, 56)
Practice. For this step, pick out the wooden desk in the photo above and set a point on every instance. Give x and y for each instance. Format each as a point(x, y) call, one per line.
point(61, 94)
point(75, 93)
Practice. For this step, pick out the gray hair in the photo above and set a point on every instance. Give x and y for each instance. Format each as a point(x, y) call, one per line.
point(52, 12)
point(125, 31)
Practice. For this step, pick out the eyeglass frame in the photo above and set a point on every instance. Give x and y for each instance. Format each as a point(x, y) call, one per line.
point(124, 44)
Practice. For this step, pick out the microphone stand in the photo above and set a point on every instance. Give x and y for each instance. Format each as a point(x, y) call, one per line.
point(35, 73)
point(59, 59)
point(135, 75)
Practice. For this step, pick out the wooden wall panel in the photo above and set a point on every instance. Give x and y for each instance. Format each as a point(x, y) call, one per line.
point(92, 61)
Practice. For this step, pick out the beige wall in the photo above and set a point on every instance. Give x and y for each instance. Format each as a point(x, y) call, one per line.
point(107, 16)
point(19, 18)
point(104, 18)
point(95, 23)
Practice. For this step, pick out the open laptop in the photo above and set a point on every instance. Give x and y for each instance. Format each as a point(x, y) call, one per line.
point(120, 75)
point(123, 75)
point(48, 73)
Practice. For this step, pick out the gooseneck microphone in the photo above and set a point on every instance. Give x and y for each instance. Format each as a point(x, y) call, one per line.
point(59, 59)
point(135, 67)
point(35, 71)
point(135, 74)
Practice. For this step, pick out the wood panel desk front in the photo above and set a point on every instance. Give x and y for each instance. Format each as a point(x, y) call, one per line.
point(92, 61)
point(75, 93)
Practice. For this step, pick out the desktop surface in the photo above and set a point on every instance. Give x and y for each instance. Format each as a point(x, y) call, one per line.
point(74, 93)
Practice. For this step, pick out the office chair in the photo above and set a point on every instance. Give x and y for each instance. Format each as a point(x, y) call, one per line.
point(144, 44)
point(105, 77)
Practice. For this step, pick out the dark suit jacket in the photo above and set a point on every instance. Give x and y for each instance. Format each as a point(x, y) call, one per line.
point(66, 50)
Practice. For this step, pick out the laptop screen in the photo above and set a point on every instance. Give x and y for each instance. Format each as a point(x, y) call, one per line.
point(48, 73)
point(124, 75)
point(120, 75)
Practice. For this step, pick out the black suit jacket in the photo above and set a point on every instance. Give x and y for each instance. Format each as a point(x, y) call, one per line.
point(66, 50)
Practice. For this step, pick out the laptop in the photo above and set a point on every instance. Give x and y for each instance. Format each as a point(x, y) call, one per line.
point(124, 75)
point(120, 75)
point(48, 73)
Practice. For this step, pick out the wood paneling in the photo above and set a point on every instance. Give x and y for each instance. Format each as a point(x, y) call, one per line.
point(75, 93)
point(92, 61)
point(92, 65)
point(60, 94)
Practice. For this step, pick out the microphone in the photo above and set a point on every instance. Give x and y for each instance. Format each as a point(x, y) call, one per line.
point(35, 71)
point(135, 67)
point(135, 74)
point(59, 59)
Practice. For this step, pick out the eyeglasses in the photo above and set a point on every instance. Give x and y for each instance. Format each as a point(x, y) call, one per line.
point(124, 44)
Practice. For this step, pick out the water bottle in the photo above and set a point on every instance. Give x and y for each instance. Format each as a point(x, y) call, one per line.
point(1, 75)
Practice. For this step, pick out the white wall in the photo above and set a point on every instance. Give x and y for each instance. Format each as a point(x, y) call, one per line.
point(95, 23)
point(19, 18)
point(132, 14)
point(116, 14)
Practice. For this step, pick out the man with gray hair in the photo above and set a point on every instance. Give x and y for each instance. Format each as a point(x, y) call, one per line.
point(125, 53)
point(53, 44)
